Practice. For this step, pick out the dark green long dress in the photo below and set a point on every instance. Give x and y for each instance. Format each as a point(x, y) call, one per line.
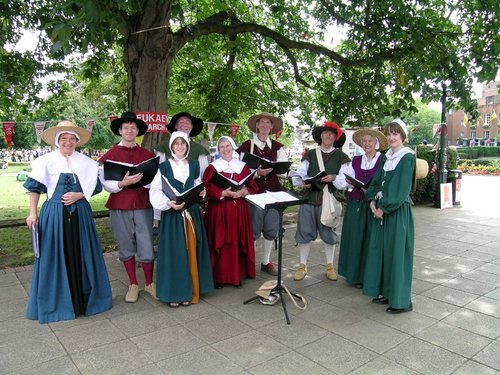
point(389, 259)
point(174, 282)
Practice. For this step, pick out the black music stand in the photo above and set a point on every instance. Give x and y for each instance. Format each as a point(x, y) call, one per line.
point(279, 289)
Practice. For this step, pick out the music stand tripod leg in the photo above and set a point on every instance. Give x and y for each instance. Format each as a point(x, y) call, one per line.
point(279, 289)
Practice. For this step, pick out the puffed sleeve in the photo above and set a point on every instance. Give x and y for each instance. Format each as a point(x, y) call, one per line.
point(109, 185)
point(157, 198)
point(33, 186)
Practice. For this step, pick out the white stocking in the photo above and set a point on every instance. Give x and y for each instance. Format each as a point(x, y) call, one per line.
point(268, 246)
point(304, 252)
point(329, 252)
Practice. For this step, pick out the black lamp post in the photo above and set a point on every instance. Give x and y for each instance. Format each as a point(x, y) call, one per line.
point(442, 152)
point(443, 158)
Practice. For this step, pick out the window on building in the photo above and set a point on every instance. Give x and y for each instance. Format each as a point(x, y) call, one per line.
point(486, 134)
point(487, 117)
point(472, 135)
point(494, 99)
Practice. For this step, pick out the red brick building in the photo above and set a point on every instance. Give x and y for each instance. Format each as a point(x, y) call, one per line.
point(482, 131)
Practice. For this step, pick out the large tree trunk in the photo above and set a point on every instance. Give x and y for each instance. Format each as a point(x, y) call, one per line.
point(148, 59)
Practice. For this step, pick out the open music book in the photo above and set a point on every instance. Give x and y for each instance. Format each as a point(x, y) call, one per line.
point(309, 180)
point(314, 181)
point(189, 197)
point(262, 200)
point(354, 181)
point(116, 170)
point(254, 161)
point(223, 182)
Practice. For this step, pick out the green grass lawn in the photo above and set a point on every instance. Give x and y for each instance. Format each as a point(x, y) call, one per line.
point(15, 167)
point(14, 199)
point(19, 252)
point(15, 242)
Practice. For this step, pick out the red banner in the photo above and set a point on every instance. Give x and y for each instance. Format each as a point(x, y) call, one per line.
point(8, 130)
point(157, 121)
point(234, 130)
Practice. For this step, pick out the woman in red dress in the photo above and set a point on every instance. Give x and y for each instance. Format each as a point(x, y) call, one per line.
point(227, 219)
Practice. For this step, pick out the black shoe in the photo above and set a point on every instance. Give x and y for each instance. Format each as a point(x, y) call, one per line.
point(238, 286)
point(358, 285)
point(218, 286)
point(380, 300)
point(393, 310)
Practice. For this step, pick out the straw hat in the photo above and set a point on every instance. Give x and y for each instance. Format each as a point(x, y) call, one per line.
point(49, 134)
point(277, 122)
point(358, 135)
point(421, 168)
point(128, 117)
point(264, 293)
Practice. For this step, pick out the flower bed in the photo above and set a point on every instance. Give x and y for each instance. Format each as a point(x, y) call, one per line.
point(482, 167)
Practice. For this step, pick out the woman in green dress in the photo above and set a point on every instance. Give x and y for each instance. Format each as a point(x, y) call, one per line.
point(389, 260)
point(358, 216)
point(183, 267)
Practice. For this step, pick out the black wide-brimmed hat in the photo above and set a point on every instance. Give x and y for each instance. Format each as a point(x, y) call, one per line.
point(128, 117)
point(197, 123)
point(340, 141)
point(332, 126)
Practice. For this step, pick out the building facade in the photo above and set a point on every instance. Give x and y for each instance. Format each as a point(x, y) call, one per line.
point(483, 131)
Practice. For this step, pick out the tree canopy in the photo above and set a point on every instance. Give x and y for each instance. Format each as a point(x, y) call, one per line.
point(224, 60)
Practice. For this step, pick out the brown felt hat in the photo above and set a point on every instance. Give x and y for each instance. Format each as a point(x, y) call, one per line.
point(277, 122)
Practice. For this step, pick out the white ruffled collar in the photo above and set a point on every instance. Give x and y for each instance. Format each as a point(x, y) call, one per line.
point(47, 168)
point(232, 166)
point(365, 164)
point(261, 144)
point(393, 158)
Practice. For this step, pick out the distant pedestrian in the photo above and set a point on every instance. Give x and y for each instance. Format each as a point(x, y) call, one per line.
point(22, 175)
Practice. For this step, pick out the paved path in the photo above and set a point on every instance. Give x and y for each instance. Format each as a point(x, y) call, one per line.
point(454, 328)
